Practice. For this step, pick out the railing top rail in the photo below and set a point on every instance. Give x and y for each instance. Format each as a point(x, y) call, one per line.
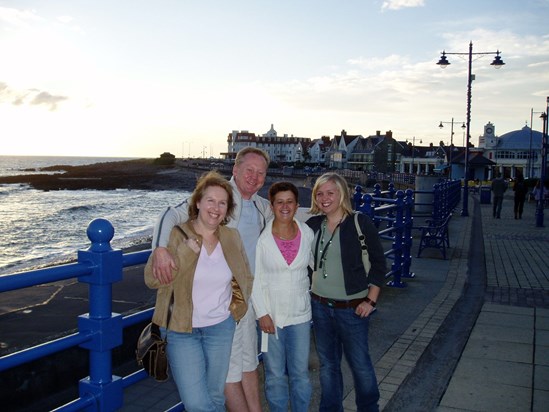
point(22, 280)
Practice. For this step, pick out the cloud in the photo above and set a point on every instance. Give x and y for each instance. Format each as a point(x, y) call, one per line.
point(401, 4)
point(47, 99)
point(18, 18)
point(33, 97)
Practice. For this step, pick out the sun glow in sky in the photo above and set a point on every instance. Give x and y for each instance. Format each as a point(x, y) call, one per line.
point(138, 78)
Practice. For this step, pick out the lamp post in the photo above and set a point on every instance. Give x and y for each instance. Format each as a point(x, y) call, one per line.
point(541, 201)
point(530, 152)
point(441, 125)
point(443, 62)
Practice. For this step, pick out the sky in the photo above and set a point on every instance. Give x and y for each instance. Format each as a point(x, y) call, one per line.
point(137, 78)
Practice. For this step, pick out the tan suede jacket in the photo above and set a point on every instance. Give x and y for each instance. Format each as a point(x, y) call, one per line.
point(186, 260)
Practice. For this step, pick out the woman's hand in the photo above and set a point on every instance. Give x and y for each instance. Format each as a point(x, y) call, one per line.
point(266, 324)
point(364, 309)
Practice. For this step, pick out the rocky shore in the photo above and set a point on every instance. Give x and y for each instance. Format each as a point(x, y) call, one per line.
point(130, 174)
point(138, 174)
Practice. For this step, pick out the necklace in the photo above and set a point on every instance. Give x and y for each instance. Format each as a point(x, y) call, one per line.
point(208, 245)
point(323, 249)
point(291, 236)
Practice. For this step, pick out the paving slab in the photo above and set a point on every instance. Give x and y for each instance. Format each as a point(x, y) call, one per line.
point(471, 395)
point(503, 333)
point(495, 371)
point(542, 355)
point(512, 320)
point(496, 349)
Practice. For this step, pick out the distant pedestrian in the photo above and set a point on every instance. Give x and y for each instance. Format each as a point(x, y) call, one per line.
point(499, 186)
point(520, 190)
point(540, 192)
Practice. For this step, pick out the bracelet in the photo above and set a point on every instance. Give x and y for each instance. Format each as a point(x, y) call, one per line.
point(370, 301)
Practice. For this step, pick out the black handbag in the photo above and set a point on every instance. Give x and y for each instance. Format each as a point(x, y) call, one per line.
point(151, 353)
point(151, 348)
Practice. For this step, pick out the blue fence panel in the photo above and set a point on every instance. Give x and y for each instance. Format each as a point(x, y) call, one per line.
point(390, 211)
point(99, 330)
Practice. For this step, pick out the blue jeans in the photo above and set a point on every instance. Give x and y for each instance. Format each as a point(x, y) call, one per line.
point(339, 331)
point(498, 202)
point(290, 352)
point(199, 363)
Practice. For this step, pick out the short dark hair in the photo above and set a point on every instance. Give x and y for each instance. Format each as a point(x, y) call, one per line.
point(205, 181)
point(250, 149)
point(283, 187)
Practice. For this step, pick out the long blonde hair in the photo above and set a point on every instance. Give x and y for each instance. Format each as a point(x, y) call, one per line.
point(341, 184)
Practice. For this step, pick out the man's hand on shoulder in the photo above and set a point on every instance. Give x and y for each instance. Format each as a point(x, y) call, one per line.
point(163, 265)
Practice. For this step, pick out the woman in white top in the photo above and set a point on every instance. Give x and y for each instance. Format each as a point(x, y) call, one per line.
point(281, 299)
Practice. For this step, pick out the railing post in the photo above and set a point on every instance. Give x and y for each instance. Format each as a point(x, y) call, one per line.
point(445, 199)
point(377, 194)
point(392, 190)
point(357, 197)
point(407, 236)
point(100, 323)
point(391, 213)
point(436, 214)
point(397, 242)
point(366, 206)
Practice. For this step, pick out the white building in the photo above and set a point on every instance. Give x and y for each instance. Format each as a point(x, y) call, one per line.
point(281, 149)
point(516, 152)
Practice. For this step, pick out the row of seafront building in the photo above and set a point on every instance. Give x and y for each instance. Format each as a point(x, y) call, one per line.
point(513, 153)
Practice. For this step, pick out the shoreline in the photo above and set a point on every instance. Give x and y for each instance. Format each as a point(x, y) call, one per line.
point(126, 174)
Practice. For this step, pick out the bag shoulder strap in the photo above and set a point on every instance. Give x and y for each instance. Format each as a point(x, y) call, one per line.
point(361, 237)
point(185, 236)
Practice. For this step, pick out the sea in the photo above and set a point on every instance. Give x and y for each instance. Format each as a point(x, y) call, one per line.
point(44, 228)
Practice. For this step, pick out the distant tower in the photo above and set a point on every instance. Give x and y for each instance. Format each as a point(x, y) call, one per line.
point(271, 132)
point(490, 140)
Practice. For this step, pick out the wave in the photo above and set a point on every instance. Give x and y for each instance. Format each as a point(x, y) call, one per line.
point(77, 209)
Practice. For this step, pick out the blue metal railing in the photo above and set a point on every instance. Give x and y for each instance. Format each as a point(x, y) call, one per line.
point(100, 330)
point(441, 199)
point(391, 212)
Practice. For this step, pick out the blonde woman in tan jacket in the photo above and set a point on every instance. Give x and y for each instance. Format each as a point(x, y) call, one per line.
point(210, 288)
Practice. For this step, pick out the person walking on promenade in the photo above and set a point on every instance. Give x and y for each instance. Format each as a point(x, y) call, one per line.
point(540, 193)
point(250, 216)
point(343, 294)
point(282, 302)
point(499, 186)
point(520, 190)
point(207, 294)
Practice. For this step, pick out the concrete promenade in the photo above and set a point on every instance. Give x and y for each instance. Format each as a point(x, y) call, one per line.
point(470, 333)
